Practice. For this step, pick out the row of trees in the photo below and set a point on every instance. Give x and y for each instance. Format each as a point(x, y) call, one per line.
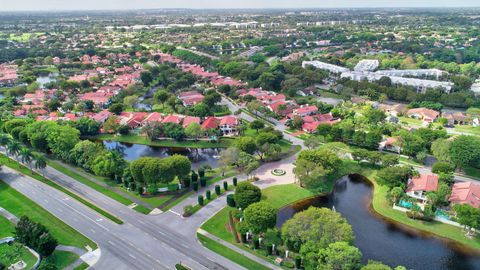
point(150, 171)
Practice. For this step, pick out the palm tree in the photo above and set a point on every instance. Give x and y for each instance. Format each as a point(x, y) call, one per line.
point(40, 162)
point(4, 140)
point(13, 148)
point(26, 156)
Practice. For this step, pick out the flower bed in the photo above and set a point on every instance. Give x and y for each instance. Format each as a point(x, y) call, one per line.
point(278, 172)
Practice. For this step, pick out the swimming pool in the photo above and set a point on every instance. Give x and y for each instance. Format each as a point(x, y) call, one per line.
point(405, 204)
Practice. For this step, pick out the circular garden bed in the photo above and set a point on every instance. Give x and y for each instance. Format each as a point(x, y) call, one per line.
point(278, 172)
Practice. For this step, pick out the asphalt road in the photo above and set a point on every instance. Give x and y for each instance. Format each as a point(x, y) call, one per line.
point(139, 243)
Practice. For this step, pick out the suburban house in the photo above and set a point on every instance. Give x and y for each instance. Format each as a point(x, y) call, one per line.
point(424, 114)
point(465, 193)
point(394, 110)
point(305, 110)
point(228, 125)
point(172, 119)
point(309, 91)
point(133, 120)
point(390, 144)
point(190, 98)
point(189, 120)
point(154, 117)
point(418, 186)
point(311, 122)
point(456, 118)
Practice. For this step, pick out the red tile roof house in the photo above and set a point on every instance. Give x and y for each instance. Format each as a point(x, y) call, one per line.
point(189, 120)
point(191, 98)
point(465, 193)
point(99, 98)
point(456, 118)
point(133, 120)
point(228, 125)
point(210, 123)
point(152, 118)
point(310, 123)
point(418, 186)
point(172, 119)
point(305, 110)
point(101, 116)
point(390, 145)
point(427, 115)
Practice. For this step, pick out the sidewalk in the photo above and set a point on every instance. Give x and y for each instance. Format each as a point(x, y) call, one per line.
point(239, 250)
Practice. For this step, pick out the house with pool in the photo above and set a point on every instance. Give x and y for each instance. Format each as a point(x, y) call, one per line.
point(418, 186)
point(465, 193)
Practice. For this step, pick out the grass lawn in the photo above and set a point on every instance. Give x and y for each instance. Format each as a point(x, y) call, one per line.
point(132, 138)
point(6, 227)
point(19, 205)
point(468, 129)
point(82, 266)
point(277, 196)
point(410, 121)
point(61, 259)
point(280, 196)
point(14, 252)
point(472, 172)
point(4, 160)
point(87, 182)
point(230, 254)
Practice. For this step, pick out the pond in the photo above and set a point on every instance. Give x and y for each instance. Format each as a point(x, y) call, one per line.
point(381, 240)
point(198, 157)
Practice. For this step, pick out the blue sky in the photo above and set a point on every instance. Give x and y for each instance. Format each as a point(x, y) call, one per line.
point(9, 5)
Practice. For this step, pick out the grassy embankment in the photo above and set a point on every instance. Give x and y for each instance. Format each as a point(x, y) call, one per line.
point(19, 205)
point(230, 254)
point(4, 160)
point(105, 191)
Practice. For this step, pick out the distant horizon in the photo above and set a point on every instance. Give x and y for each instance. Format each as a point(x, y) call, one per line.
point(126, 5)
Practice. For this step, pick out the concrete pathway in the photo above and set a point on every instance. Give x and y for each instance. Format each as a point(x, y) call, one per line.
point(239, 250)
point(9, 216)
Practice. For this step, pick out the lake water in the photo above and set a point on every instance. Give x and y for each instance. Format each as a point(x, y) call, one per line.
point(381, 240)
point(198, 157)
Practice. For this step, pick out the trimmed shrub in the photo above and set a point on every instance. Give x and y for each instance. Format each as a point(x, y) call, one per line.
point(298, 262)
point(201, 173)
point(246, 194)
point(231, 200)
point(208, 195)
point(200, 200)
point(186, 182)
point(203, 181)
point(195, 185)
point(442, 167)
point(187, 210)
point(234, 181)
point(225, 185)
point(194, 176)
point(217, 189)
point(256, 242)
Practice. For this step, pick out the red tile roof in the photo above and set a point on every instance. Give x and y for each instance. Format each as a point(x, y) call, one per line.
point(190, 119)
point(465, 193)
point(210, 123)
point(172, 119)
point(423, 182)
point(229, 120)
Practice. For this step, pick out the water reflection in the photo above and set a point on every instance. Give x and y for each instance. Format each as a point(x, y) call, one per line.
point(381, 240)
point(199, 157)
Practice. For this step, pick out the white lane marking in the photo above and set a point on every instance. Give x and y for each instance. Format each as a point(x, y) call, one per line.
point(111, 243)
point(162, 233)
point(132, 256)
point(185, 246)
point(92, 230)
